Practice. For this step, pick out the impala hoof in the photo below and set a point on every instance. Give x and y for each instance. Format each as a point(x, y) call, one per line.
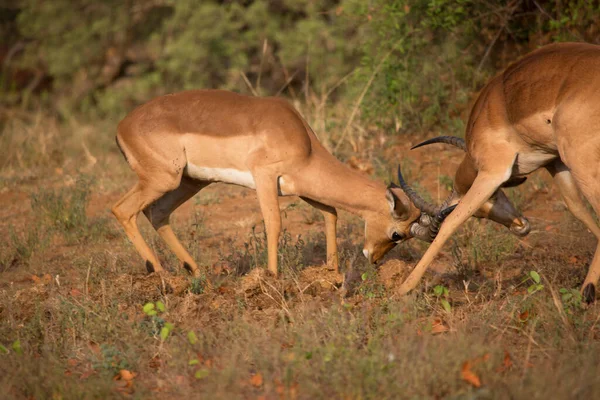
point(149, 267)
point(188, 268)
point(521, 228)
point(589, 293)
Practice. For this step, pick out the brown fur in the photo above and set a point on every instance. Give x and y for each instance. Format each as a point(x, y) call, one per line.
point(179, 143)
point(542, 111)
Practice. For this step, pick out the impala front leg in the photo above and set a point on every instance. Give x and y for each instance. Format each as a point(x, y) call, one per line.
point(268, 198)
point(571, 196)
point(483, 188)
point(330, 216)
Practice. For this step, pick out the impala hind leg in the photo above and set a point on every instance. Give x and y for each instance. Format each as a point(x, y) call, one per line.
point(484, 186)
point(127, 210)
point(159, 213)
point(268, 198)
point(330, 216)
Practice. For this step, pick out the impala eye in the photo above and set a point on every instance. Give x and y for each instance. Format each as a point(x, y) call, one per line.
point(396, 237)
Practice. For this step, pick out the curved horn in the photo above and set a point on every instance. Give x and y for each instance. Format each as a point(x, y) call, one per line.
point(428, 227)
point(452, 140)
point(417, 200)
point(434, 228)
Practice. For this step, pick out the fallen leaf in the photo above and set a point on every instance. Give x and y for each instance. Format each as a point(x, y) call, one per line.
point(72, 362)
point(437, 326)
point(507, 363)
point(256, 380)
point(75, 292)
point(573, 260)
point(524, 316)
point(125, 375)
point(548, 228)
point(469, 376)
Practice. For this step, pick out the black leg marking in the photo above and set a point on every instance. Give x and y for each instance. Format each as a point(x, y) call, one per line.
point(149, 267)
point(188, 267)
point(589, 293)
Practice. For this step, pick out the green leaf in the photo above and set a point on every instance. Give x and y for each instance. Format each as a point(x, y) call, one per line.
point(3, 349)
point(446, 305)
point(535, 276)
point(202, 373)
point(563, 290)
point(364, 276)
point(438, 290)
point(160, 305)
point(169, 326)
point(149, 307)
point(192, 338)
point(151, 313)
point(567, 296)
point(164, 333)
point(17, 346)
point(193, 362)
point(308, 355)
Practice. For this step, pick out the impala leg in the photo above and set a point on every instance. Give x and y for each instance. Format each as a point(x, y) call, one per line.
point(585, 177)
point(268, 198)
point(483, 188)
point(330, 216)
point(159, 213)
point(571, 196)
point(126, 211)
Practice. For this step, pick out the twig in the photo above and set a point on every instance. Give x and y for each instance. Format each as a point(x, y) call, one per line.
point(561, 311)
point(361, 97)
point(247, 81)
point(262, 59)
point(87, 279)
point(287, 82)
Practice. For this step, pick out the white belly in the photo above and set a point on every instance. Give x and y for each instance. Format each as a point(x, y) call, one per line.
point(226, 175)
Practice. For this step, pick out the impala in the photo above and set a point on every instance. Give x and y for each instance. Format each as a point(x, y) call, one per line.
point(542, 111)
point(180, 143)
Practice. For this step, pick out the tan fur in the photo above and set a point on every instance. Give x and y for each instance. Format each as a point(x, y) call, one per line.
point(179, 143)
point(542, 111)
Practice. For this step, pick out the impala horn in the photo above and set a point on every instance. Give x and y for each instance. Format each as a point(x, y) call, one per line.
point(431, 218)
point(451, 140)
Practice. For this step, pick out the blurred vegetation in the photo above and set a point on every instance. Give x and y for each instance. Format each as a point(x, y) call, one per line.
point(417, 61)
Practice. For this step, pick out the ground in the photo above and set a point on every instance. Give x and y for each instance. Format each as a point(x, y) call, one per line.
point(496, 316)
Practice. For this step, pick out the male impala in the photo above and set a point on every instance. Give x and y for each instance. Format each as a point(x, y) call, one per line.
point(180, 143)
point(542, 111)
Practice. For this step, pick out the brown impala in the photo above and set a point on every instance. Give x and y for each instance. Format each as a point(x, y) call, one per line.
point(542, 111)
point(180, 143)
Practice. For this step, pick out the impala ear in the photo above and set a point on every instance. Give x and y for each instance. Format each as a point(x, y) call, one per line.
point(398, 202)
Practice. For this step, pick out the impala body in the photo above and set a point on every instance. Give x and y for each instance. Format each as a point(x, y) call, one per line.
point(178, 144)
point(543, 111)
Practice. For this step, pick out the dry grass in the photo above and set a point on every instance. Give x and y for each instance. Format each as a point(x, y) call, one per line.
point(72, 293)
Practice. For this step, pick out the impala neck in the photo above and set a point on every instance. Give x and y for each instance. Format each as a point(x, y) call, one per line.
point(333, 183)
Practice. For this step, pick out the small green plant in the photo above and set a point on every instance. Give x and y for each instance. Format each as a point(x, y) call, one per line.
point(369, 286)
point(197, 285)
point(441, 293)
point(111, 360)
point(571, 299)
point(533, 278)
point(24, 246)
point(159, 325)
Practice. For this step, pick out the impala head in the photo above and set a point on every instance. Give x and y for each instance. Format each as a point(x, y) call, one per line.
point(498, 208)
point(403, 219)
